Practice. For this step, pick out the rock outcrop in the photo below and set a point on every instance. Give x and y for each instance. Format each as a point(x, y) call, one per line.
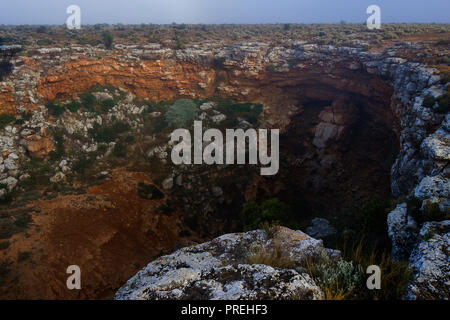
point(218, 270)
point(402, 230)
point(431, 263)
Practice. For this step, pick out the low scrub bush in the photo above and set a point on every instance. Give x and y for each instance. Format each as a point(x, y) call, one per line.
point(120, 150)
point(107, 105)
point(108, 39)
point(429, 101)
point(443, 104)
point(108, 133)
point(346, 277)
point(88, 101)
point(181, 114)
point(338, 279)
point(271, 211)
point(73, 106)
point(6, 119)
point(54, 109)
point(6, 68)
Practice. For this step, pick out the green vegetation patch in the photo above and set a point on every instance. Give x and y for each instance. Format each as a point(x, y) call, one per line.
point(429, 101)
point(6, 119)
point(108, 133)
point(181, 114)
point(149, 191)
point(271, 211)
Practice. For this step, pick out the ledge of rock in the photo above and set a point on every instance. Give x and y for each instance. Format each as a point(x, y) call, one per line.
point(218, 270)
point(430, 262)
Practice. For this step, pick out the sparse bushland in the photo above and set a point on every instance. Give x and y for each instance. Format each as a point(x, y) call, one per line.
point(13, 223)
point(344, 278)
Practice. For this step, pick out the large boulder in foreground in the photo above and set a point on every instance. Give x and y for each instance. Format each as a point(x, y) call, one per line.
point(219, 269)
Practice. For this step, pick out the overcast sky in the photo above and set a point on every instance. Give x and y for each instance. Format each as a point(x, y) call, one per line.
point(221, 11)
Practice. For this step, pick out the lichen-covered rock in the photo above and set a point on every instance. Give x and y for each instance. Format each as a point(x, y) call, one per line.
point(218, 270)
point(402, 230)
point(436, 189)
point(437, 145)
point(431, 263)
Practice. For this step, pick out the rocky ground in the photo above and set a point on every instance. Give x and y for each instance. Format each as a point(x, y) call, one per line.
point(87, 139)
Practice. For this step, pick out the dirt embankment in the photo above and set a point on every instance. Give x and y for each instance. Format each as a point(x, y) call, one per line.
point(109, 232)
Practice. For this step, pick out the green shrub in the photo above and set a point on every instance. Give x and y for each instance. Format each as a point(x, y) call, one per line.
point(23, 220)
point(120, 150)
point(59, 151)
point(254, 215)
point(219, 62)
point(107, 105)
point(429, 101)
point(443, 104)
point(372, 216)
point(108, 39)
point(82, 164)
point(338, 279)
point(346, 278)
point(6, 119)
point(88, 101)
point(181, 114)
point(55, 109)
point(6, 68)
point(271, 68)
point(108, 133)
point(73, 106)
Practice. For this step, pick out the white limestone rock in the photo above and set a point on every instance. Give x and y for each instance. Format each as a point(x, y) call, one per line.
point(217, 270)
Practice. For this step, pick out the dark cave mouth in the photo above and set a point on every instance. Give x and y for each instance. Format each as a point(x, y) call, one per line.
point(334, 155)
